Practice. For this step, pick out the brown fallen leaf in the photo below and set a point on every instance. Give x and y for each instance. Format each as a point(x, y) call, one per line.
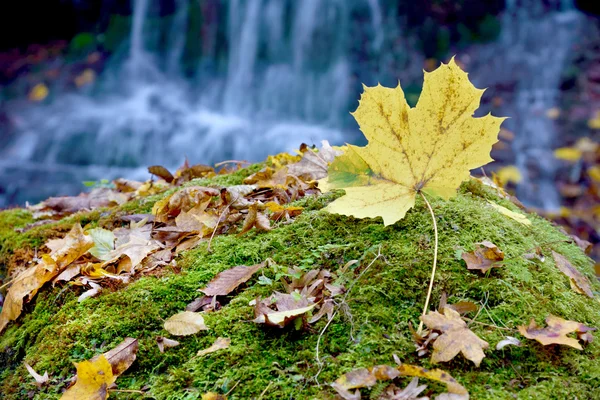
point(255, 219)
point(121, 357)
point(486, 256)
point(185, 323)
point(268, 178)
point(161, 172)
point(278, 211)
point(188, 172)
point(556, 332)
point(314, 164)
point(578, 281)
point(27, 283)
point(362, 377)
point(289, 307)
point(40, 380)
point(99, 197)
point(197, 219)
point(165, 343)
point(456, 337)
point(181, 201)
point(582, 244)
point(93, 380)
point(227, 281)
point(136, 249)
point(219, 344)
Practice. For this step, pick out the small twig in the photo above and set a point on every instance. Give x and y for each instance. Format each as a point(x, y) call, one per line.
point(231, 390)
point(265, 391)
point(319, 362)
point(232, 162)
point(435, 253)
point(218, 222)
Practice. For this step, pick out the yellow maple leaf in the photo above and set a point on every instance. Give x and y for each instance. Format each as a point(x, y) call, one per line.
point(431, 147)
point(93, 379)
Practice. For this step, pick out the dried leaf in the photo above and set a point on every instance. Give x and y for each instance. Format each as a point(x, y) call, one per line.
point(512, 341)
point(93, 380)
point(578, 281)
point(69, 273)
point(314, 164)
point(429, 148)
point(181, 201)
point(27, 283)
point(456, 337)
point(485, 257)
point(165, 343)
point(161, 172)
point(463, 307)
point(185, 323)
point(104, 243)
point(219, 344)
point(137, 248)
point(122, 356)
point(362, 377)
point(434, 374)
point(280, 318)
point(256, 219)
point(511, 214)
point(227, 281)
point(556, 332)
point(40, 380)
point(583, 244)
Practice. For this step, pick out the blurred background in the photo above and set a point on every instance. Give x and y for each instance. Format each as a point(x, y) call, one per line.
point(93, 90)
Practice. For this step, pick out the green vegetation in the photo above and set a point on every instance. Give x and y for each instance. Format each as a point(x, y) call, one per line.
point(55, 330)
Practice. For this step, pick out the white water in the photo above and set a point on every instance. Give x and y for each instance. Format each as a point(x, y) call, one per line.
point(289, 76)
point(533, 50)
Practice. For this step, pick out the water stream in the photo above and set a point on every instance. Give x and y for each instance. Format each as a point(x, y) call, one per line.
point(291, 72)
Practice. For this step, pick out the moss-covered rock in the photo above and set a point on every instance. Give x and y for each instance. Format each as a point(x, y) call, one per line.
point(55, 330)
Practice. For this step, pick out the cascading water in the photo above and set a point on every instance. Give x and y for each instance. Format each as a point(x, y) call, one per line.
point(279, 89)
point(283, 72)
point(532, 51)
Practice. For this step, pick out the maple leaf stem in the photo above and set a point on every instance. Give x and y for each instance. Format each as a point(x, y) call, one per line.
point(435, 253)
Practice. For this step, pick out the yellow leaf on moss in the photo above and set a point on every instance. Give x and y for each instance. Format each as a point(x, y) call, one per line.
point(456, 337)
point(511, 214)
point(185, 323)
point(93, 380)
point(431, 147)
point(556, 332)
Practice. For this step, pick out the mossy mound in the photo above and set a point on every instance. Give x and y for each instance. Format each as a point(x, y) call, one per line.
point(55, 330)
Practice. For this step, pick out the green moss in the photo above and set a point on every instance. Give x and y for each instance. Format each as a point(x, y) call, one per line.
point(56, 330)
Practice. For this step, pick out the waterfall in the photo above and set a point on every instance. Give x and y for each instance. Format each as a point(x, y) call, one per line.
point(531, 54)
point(270, 75)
